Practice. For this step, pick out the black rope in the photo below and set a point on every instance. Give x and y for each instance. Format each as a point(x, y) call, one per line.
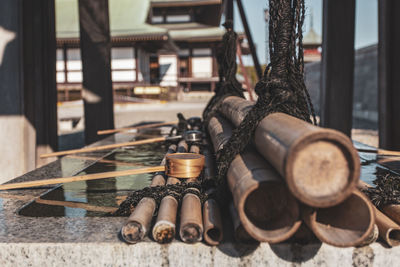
point(282, 88)
point(387, 190)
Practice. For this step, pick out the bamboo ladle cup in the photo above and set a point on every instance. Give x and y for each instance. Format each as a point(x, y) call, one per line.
point(180, 165)
point(125, 129)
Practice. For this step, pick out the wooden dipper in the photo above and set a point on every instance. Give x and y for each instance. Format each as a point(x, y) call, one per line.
point(180, 165)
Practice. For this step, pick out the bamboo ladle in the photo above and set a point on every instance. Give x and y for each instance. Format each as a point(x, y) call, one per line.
point(189, 136)
point(180, 165)
point(125, 129)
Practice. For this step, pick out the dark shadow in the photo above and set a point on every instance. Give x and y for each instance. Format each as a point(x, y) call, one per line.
point(294, 252)
point(163, 70)
point(71, 141)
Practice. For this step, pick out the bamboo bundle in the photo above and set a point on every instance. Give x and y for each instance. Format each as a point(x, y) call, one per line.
point(321, 167)
point(347, 224)
point(253, 181)
point(138, 224)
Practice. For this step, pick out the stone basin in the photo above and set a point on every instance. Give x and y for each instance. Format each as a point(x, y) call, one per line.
point(75, 239)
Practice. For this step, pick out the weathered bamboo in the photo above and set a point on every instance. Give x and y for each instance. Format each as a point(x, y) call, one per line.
point(125, 129)
point(253, 181)
point(165, 225)
point(392, 211)
point(321, 167)
point(191, 224)
point(164, 228)
point(138, 224)
point(388, 229)
point(347, 224)
point(191, 228)
point(212, 222)
point(240, 233)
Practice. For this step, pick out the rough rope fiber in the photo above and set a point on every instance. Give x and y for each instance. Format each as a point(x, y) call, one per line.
point(282, 87)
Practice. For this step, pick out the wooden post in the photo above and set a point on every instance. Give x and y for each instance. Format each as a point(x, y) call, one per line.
point(96, 67)
point(388, 74)
point(229, 10)
point(337, 65)
point(249, 39)
point(39, 70)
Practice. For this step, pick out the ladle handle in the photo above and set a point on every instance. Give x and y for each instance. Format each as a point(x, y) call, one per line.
point(96, 148)
point(153, 125)
point(86, 177)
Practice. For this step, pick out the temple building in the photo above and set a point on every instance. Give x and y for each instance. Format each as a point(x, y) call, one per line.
point(312, 44)
point(158, 46)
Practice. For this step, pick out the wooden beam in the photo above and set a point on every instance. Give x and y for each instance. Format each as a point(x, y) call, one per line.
point(96, 67)
point(389, 74)
point(249, 39)
point(337, 65)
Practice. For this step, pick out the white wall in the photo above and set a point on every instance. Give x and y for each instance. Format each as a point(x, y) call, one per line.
point(168, 70)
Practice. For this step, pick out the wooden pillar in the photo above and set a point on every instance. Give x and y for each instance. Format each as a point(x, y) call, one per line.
point(96, 67)
point(337, 65)
point(39, 52)
point(389, 74)
point(249, 39)
point(229, 10)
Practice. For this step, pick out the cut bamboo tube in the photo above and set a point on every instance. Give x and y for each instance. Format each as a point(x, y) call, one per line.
point(164, 227)
point(125, 129)
point(347, 224)
point(213, 230)
point(212, 222)
point(191, 229)
point(253, 181)
point(389, 229)
point(98, 148)
point(239, 231)
point(138, 224)
point(191, 224)
point(393, 212)
point(321, 167)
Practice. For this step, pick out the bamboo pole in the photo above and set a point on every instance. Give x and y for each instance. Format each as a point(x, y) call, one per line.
point(98, 148)
point(125, 129)
point(138, 223)
point(380, 152)
point(347, 224)
point(69, 204)
point(109, 161)
point(320, 166)
point(181, 165)
point(86, 177)
point(253, 181)
point(239, 232)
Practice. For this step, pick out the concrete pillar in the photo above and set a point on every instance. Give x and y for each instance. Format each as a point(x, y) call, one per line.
point(26, 79)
